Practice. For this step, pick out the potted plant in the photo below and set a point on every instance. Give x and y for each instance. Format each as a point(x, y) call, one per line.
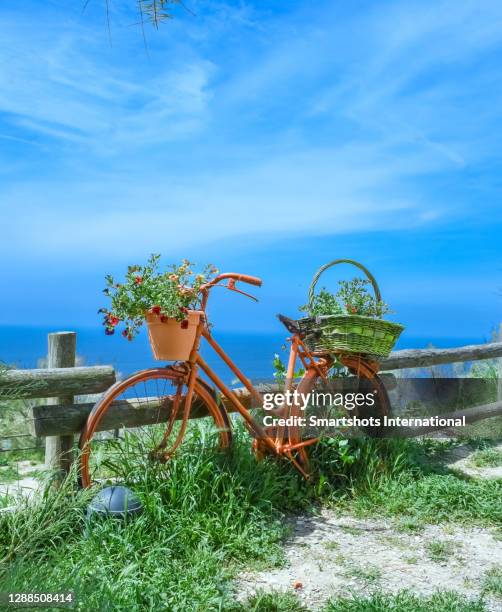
point(167, 300)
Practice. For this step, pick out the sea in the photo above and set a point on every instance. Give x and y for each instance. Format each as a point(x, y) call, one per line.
point(26, 347)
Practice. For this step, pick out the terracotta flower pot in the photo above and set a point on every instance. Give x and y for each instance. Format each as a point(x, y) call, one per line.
point(170, 341)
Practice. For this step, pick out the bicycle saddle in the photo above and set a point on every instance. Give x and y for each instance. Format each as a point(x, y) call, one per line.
point(290, 324)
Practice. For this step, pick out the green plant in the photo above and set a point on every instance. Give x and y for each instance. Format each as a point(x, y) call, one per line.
point(440, 550)
point(205, 513)
point(353, 298)
point(280, 370)
point(274, 601)
point(488, 457)
point(493, 581)
point(365, 573)
point(405, 601)
point(147, 289)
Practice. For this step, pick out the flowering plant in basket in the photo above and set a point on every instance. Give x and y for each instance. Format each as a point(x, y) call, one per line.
point(352, 298)
point(148, 290)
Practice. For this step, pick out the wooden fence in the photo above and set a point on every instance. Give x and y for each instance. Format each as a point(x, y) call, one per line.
point(62, 415)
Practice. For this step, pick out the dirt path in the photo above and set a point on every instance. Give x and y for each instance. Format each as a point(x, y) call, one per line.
point(332, 555)
point(27, 483)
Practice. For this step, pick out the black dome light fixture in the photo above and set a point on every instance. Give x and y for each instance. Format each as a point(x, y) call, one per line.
point(114, 502)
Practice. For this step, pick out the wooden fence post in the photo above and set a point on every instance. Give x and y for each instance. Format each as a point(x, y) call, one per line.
point(61, 354)
point(499, 369)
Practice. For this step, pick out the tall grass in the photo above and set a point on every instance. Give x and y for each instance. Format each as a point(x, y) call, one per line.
point(204, 515)
point(404, 601)
point(207, 515)
point(406, 478)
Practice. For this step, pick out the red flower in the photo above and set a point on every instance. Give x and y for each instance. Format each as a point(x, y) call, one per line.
point(113, 321)
point(138, 280)
point(184, 324)
point(156, 310)
point(163, 318)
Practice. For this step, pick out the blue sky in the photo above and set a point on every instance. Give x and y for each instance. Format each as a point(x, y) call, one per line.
point(265, 137)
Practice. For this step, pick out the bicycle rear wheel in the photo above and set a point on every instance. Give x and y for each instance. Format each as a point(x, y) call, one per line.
point(366, 371)
point(157, 395)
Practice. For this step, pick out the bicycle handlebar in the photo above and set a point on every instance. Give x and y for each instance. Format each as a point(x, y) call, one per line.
point(245, 278)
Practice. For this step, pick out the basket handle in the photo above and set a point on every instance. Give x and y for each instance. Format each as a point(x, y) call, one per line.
point(322, 269)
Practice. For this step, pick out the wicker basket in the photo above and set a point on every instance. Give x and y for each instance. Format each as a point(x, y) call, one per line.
point(349, 334)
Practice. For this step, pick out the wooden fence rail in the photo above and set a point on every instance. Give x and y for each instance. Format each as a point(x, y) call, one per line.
point(53, 382)
point(50, 382)
point(67, 420)
point(64, 417)
point(422, 358)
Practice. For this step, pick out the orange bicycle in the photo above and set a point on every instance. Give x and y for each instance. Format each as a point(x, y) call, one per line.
point(176, 393)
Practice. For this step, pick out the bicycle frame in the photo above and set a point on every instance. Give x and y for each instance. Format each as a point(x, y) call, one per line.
point(286, 440)
point(277, 440)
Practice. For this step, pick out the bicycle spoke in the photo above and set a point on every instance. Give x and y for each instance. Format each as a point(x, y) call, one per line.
point(106, 458)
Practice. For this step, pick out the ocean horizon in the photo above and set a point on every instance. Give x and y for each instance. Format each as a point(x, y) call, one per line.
point(26, 347)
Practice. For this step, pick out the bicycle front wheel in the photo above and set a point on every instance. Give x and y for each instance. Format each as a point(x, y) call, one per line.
point(110, 452)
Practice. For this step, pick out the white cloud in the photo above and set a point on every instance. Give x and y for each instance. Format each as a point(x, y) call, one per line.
point(312, 122)
point(318, 191)
point(59, 85)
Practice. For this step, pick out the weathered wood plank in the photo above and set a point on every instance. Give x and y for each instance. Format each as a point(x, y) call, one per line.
point(56, 420)
point(54, 382)
point(471, 415)
point(419, 358)
point(499, 367)
point(38, 383)
point(62, 352)
point(135, 413)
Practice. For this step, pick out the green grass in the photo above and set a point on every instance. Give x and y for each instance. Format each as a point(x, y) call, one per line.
point(34, 456)
point(492, 583)
point(6, 501)
point(435, 498)
point(440, 550)
point(365, 573)
point(405, 479)
point(207, 515)
point(275, 601)
point(204, 515)
point(8, 474)
point(488, 457)
point(405, 601)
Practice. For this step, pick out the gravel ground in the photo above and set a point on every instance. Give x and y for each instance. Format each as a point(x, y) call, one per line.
point(27, 485)
point(331, 555)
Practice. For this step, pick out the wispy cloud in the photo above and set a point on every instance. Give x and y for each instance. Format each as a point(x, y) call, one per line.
point(59, 81)
point(241, 121)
